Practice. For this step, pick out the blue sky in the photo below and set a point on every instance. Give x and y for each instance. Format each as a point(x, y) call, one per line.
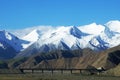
point(18, 14)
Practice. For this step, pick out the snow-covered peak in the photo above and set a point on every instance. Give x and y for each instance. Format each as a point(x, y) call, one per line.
point(23, 32)
point(65, 36)
point(114, 25)
point(63, 32)
point(12, 40)
point(92, 29)
point(109, 33)
point(33, 36)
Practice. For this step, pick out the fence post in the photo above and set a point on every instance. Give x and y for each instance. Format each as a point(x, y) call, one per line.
point(32, 71)
point(71, 71)
point(52, 71)
point(42, 71)
point(61, 71)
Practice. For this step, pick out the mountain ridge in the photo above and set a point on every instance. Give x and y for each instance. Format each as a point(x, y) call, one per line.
point(95, 36)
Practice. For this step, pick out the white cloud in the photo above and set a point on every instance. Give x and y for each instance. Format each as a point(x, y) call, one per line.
point(22, 32)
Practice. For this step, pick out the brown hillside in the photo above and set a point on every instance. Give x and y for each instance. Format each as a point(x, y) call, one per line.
point(105, 56)
point(74, 59)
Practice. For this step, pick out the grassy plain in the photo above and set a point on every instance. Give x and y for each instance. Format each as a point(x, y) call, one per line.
point(45, 76)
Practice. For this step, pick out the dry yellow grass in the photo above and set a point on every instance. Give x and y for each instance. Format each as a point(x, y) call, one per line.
point(114, 71)
point(55, 77)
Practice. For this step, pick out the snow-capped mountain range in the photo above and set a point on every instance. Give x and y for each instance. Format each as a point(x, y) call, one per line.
point(94, 36)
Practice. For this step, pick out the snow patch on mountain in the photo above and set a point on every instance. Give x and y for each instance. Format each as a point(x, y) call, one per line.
point(64, 34)
point(33, 36)
point(77, 33)
point(23, 32)
point(1, 45)
point(114, 25)
point(12, 40)
point(111, 38)
point(92, 29)
point(98, 43)
point(109, 33)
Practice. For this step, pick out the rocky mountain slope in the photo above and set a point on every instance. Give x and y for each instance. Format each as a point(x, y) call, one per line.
point(79, 59)
point(10, 45)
